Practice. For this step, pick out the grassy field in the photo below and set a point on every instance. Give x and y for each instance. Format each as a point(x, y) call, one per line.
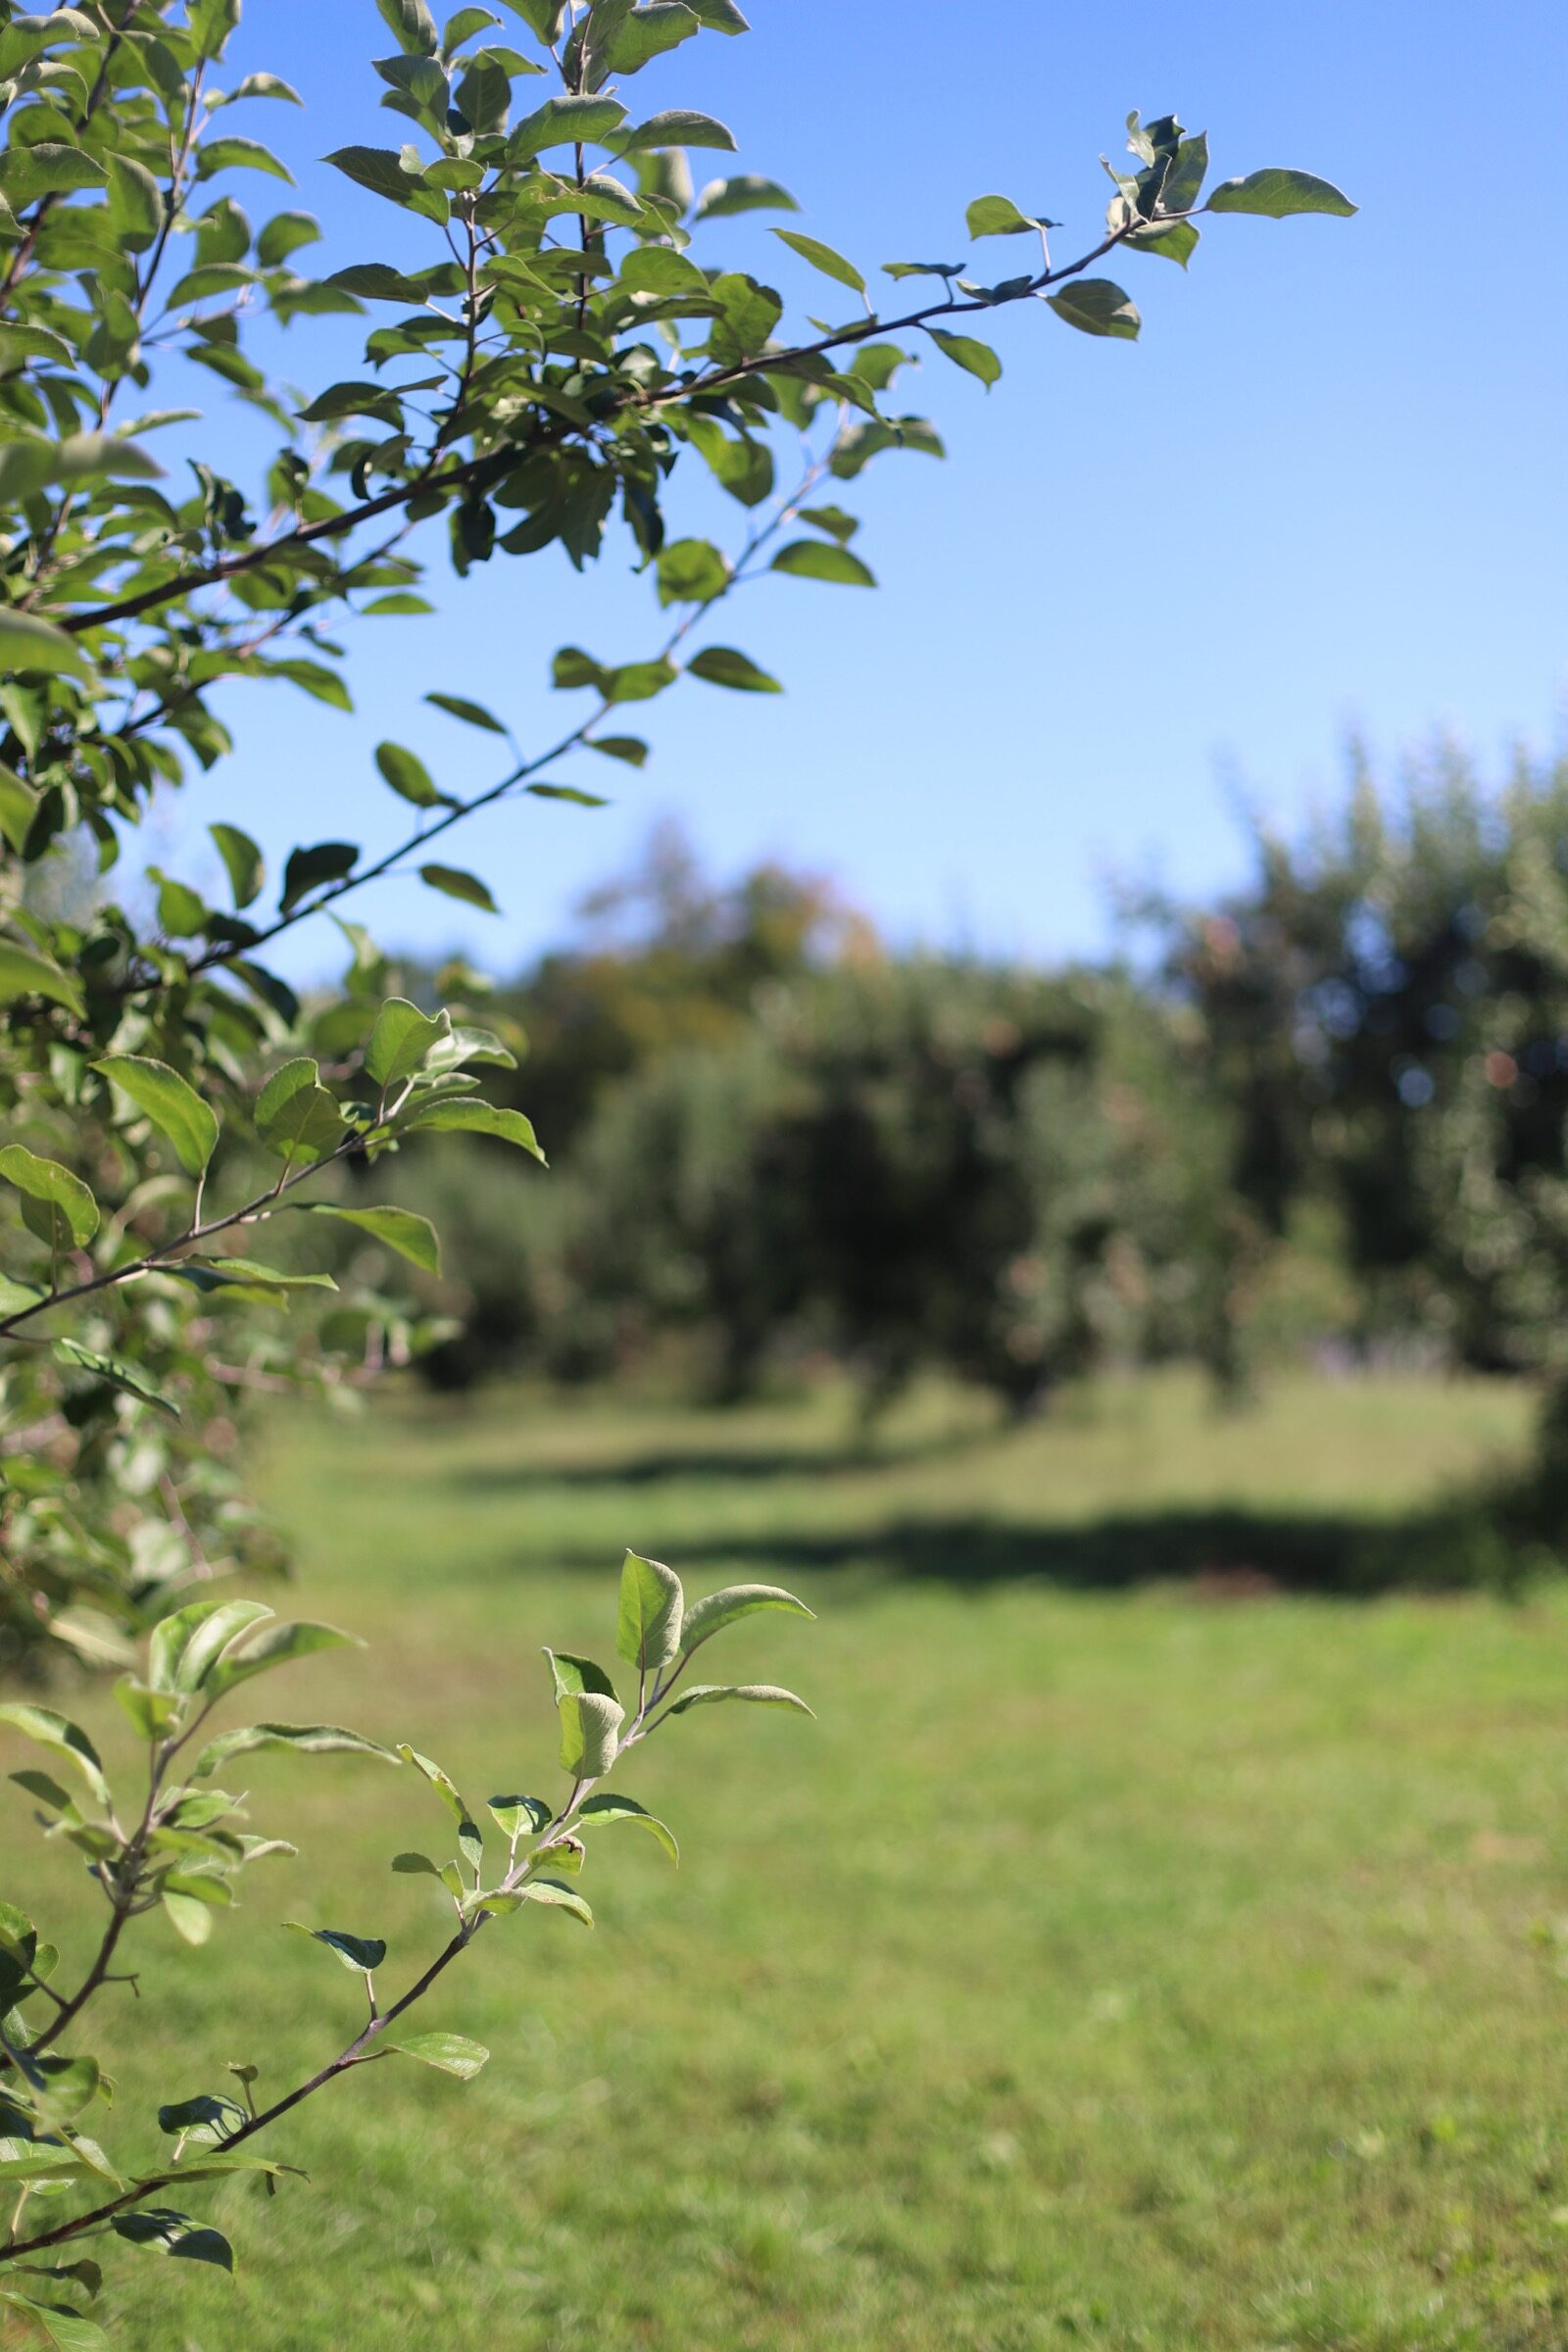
point(1118, 1961)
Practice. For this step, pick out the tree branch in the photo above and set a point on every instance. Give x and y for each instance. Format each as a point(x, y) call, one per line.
point(462, 476)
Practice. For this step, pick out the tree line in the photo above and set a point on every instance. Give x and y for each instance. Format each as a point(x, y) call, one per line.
point(1324, 1112)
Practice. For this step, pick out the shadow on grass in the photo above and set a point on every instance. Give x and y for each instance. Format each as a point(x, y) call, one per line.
point(1235, 1553)
point(749, 1466)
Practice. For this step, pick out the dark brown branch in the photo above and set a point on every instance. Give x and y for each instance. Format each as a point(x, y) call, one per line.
point(459, 477)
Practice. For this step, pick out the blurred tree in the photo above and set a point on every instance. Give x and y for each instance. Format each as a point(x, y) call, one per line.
point(1386, 1005)
point(910, 1162)
point(667, 959)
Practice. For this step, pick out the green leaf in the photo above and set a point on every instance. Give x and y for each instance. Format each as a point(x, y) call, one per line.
point(58, 2090)
point(691, 571)
point(213, 2168)
point(149, 1712)
point(82, 455)
point(997, 217)
point(647, 32)
point(590, 1732)
point(598, 1811)
point(62, 1738)
point(64, 1198)
point(551, 1891)
point(408, 776)
point(569, 1673)
point(811, 559)
point(244, 1278)
point(242, 860)
point(187, 1644)
point(27, 643)
point(453, 2053)
point(965, 351)
point(181, 911)
point(1096, 306)
point(24, 974)
point(361, 1952)
point(473, 714)
point(652, 1605)
point(295, 1116)
point(483, 96)
point(279, 1645)
point(723, 665)
point(514, 1816)
point(453, 883)
point(39, 2161)
point(570, 668)
point(175, 2235)
point(129, 1378)
point(411, 26)
point(709, 1616)
point(300, 1738)
point(308, 869)
point(1276, 193)
point(285, 234)
point(758, 1694)
point(570, 792)
point(376, 281)
point(239, 155)
point(25, 466)
point(265, 85)
point(831, 520)
point(600, 196)
point(401, 1039)
point(659, 269)
point(466, 1117)
point(67, 2328)
point(469, 1838)
point(1183, 183)
point(821, 257)
point(678, 127)
point(210, 23)
point(1175, 243)
point(542, 16)
point(466, 1044)
point(748, 192)
point(19, 801)
point(205, 2118)
point(402, 1228)
point(564, 122)
point(379, 169)
point(172, 1105)
point(629, 749)
point(416, 1866)
point(49, 168)
point(639, 681)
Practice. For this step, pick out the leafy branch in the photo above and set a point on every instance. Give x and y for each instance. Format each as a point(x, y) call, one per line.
point(196, 1657)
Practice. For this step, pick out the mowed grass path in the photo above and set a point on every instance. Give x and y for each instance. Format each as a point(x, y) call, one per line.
point(1139, 1967)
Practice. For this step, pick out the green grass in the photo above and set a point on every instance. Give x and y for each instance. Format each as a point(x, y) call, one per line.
point(1147, 1966)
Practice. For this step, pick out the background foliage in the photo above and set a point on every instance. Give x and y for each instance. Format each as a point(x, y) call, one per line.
point(1324, 1117)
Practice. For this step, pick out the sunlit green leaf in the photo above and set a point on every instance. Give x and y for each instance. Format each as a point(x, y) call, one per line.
point(811, 559)
point(652, 1604)
point(63, 1196)
point(1096, 307)
point(172, 1103)
point(1277, 192)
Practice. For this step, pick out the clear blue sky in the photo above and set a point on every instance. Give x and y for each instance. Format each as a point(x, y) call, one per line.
point(1325, 490)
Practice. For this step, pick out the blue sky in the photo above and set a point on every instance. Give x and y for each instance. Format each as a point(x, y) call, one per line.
point(1324, 491)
